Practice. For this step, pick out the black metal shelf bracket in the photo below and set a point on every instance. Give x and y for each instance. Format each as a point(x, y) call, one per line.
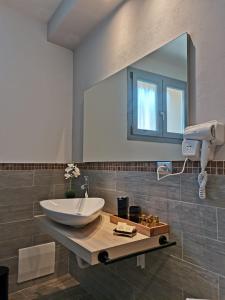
point(103, 256)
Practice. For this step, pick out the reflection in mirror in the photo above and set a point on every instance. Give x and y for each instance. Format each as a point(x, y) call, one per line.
point(140, 112)
point(175, 110)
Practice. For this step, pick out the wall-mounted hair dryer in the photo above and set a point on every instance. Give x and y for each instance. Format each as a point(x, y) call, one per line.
point(200, 141)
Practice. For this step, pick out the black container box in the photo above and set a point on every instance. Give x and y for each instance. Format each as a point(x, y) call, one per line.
point(4, 275)
point(123, 204)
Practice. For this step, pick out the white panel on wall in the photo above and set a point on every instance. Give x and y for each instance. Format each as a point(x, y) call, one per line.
point(36, 261)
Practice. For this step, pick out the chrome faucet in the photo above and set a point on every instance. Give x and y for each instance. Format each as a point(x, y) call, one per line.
point(85, 186)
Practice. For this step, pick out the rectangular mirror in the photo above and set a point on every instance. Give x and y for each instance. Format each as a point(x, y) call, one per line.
point(139, 113)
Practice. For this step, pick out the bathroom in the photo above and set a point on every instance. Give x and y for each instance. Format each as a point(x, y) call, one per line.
point(66, 98)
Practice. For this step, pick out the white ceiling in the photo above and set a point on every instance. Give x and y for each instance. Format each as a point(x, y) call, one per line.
point(74, 19)
point(69, 21)
point(41, 10)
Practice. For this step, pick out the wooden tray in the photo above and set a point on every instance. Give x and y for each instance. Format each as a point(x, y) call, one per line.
point(162, 228)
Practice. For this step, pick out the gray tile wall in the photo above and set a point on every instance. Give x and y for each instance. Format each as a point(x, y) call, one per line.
point(20, 193)
point(194, 268)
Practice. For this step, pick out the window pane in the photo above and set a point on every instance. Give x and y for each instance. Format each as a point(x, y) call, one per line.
point(175, 110)
point(147, 105)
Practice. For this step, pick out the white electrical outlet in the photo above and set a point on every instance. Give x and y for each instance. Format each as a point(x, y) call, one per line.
point(191, 149)
point(165, 167)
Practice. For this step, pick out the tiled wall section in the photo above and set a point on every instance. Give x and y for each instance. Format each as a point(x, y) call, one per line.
point(20, 193)
point(194, 268)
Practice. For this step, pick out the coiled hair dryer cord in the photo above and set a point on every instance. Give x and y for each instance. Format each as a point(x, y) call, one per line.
point(202, 180)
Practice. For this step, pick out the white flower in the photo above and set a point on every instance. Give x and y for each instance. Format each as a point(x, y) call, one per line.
point(67, 176)
point(72, 171)
point(68, 169)
point(76, 171)
point(70, 165)
point(75, 174)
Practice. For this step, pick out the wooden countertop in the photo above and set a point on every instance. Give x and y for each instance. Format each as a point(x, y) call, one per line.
point(88, 241)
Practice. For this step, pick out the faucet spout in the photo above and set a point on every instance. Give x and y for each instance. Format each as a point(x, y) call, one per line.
point(85, 186)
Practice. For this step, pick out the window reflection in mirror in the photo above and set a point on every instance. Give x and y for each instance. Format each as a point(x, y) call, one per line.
point(140, 112)
point(147, 105)
point(175, 105)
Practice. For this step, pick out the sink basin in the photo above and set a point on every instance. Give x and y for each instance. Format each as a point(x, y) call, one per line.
point(76, 212)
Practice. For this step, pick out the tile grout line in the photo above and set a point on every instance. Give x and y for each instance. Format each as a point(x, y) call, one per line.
point(33, 183)
point(196, 266)
point(182, 245)
point(218, 286)
point(217, 224)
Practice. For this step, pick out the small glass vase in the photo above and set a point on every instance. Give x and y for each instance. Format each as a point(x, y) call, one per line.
point(70, 193)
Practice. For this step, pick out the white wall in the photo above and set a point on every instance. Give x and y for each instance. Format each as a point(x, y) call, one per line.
point(154, 64)
point(36, 91)
point(141, 26)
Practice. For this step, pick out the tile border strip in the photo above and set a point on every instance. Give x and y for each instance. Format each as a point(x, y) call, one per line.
point(30, 166)
point(214, 167)
point(193, 167)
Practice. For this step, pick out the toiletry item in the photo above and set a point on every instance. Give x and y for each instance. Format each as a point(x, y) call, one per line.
point(123, 204)
point(125, 230)
point(134, 213)
point(150, 221)
point(156, 218)
point(143, 219)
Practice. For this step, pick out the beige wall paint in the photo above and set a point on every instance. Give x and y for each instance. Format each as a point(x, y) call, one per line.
point(36, 91)
point(140, 27)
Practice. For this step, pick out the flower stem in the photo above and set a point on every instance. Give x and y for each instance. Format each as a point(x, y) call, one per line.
point(70, 184)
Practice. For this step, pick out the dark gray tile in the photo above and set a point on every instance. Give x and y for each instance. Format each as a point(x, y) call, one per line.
point(215, 190)
point(208, 253)
point(9, 248)
point(222, 288)
point(102, 179)
point(37, 210)
point(41, 238)
point(48, 177)
point(16, 230)
point(101, 282)
point(145, 183)
point(60, 190)
point(110, 198)
point(17, 203)
point(192, 218)
point(64, 287)
point(145, 287)
point(157, 289)
point(181, 275)
point(52, 288)
point(24, 195)
point(17, 296)
point(15, 179)
point(221, 224)
point(12, 213)
point(177, 250)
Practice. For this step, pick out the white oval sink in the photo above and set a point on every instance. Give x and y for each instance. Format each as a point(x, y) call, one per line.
point(76, 212)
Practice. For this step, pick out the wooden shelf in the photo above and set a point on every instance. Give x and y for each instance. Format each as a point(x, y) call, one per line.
point(98, 236)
